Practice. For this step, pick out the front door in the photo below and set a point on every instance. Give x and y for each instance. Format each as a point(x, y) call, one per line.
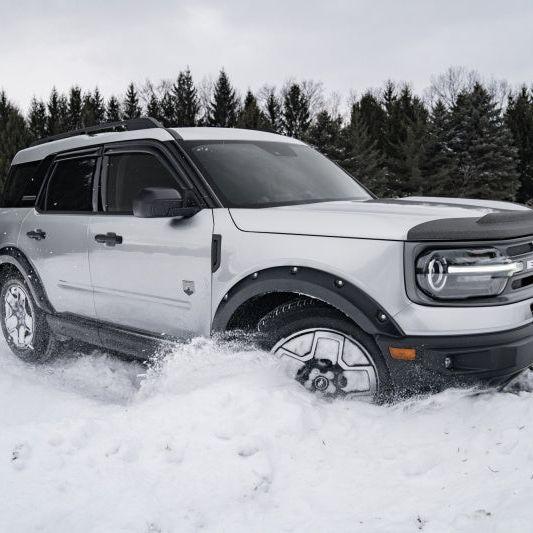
point(54, 235)
point(149, 274)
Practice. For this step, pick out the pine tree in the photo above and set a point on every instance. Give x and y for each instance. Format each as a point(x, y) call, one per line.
point(224, 106)
point(438, 159)
point(186, 100)
point(374, 116)
point(113, 111)
point(74, 109)
point(57, 113)
point(14, 135)
point(405, 136)
point(361, 156)
point(296, 116)
point(519, 120)
point(93, 109)
point(325, 135)
point(153, 108)
point(250, 116)
point(130, 107)
point(168, 109)
point(37, 119)
point(273, 112)
point(483, 149)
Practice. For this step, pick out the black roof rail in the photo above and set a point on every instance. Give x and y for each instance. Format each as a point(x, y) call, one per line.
point(142, 123)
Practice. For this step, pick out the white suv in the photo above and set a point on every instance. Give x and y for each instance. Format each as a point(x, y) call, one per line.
point(129, 235)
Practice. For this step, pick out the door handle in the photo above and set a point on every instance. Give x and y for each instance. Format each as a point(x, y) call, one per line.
point(109, 239)
point(37, 234)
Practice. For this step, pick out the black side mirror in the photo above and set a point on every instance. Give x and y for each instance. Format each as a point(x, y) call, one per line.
point(159, 202)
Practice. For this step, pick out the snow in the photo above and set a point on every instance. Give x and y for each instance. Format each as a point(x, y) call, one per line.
point(217, 438)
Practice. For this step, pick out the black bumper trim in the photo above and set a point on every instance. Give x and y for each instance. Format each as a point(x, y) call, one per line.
point(490, 358)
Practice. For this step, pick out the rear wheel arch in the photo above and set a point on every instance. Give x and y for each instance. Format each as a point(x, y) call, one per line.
point(11, 258)
point(254, 296)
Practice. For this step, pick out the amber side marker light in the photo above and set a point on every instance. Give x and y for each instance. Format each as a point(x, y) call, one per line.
point(405, 354)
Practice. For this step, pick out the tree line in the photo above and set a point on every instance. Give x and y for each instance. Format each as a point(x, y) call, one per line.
point(464, 137)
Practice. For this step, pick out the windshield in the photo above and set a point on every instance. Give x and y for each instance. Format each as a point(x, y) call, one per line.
point(264, 174)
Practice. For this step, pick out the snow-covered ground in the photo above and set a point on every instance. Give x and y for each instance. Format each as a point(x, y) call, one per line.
point(220, 439)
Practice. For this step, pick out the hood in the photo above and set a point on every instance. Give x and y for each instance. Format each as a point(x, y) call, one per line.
point(388, 219)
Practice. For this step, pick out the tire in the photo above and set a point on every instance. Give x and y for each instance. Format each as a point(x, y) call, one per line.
point(24, 325)
point(332, 355)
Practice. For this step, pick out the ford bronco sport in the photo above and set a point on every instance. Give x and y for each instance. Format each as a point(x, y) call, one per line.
point(128, 235)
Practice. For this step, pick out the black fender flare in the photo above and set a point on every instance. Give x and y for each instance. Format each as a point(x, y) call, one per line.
point(339, 293)
point(13, 256)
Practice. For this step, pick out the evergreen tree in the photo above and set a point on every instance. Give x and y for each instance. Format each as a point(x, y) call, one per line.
point(438, 158)
point(113, 111)
point(58, 113)
point(519, 120)
point(250, 116)
point(74, 109)
point(186, 100)
point(130, 107)
point(405, 136)
point(361, 156)
point(486, 160)
point(273, 112)
point(296, 116)
point(168, 110)
point(153, 108)
point(93, 110)
point(224, 106)
point(325, 135)
point(37, 119)
point(374, 116)
point(14, 135)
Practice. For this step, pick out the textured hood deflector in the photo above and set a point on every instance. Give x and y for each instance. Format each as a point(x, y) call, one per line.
point(492, 226)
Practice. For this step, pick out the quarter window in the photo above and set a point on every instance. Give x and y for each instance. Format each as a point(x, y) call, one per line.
point(128, 174)
point(22, 185)
point(71, 185)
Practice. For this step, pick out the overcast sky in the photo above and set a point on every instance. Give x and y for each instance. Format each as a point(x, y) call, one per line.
point(345, 44)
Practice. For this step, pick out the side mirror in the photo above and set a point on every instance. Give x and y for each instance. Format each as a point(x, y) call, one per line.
point(159, 202)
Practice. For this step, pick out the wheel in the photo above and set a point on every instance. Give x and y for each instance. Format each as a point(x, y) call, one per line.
point(23, 323)
point(330, 354)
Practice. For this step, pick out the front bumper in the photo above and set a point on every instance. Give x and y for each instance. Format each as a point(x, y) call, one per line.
point(442, 361)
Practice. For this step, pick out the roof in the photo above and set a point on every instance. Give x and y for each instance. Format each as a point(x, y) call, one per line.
point(40, 151)
point(231, 134)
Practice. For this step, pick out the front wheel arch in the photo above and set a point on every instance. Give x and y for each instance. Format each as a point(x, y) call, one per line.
point(272, 287)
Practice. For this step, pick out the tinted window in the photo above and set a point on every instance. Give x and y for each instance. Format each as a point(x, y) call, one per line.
point(71, 185)
point(128, 174)
point(259, 174)
point(22, 185)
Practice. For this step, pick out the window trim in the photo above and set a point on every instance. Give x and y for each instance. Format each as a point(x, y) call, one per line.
point(41, 201)
point(139, 147)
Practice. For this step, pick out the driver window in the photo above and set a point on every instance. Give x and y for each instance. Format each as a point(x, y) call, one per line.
point(128, 174)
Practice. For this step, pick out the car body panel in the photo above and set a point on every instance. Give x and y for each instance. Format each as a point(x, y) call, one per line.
point(61, 259)
point(372, 219)
point(142, 282)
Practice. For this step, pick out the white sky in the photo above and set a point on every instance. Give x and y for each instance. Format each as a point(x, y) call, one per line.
point(348, 45)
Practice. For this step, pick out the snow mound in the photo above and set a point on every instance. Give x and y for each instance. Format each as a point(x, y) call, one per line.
point(219, 438)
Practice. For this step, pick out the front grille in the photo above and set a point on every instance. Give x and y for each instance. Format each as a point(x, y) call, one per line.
point(520, 249)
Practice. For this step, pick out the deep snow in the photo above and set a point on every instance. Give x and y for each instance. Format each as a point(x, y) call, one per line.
point(221, 439)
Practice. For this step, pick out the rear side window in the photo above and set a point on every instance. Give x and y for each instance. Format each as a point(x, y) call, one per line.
point(71, 185)
point(128, 174)
point(23, 185)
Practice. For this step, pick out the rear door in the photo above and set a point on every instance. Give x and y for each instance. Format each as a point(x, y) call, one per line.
point(149, 274)
point(54, 234)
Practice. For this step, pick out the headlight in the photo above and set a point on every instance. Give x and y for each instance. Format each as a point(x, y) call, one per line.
point(464, 273)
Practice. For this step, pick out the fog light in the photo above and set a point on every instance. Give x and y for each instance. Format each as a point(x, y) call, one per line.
point(404, 354)
point(448, 362)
